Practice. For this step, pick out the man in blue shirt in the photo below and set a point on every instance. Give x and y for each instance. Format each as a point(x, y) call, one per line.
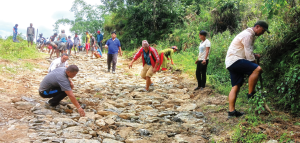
point(15, 29)
point(114, 47)
point(99, 40)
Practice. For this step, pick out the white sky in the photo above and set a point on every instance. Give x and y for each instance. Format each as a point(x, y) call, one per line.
point(41, 13)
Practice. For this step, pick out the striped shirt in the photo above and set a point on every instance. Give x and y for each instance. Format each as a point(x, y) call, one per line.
point(241, 47)
point(57, 78)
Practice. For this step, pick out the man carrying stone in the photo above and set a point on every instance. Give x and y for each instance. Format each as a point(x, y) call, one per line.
point(59, 62)
point(240, 60)
point(57, 85)
point(114, 47)
point(30, 34)
point(150, 62)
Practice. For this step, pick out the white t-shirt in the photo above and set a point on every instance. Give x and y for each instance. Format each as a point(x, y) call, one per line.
point(202, 49)
point(57, 63)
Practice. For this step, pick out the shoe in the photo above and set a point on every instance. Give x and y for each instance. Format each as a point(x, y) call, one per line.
point(48, 106)
point(113, 72)
point(151, 84)
point(235, 114)
point(144, 90)
point(164, 69)
point(250, 96)
point(108, 70)
point(197, 88)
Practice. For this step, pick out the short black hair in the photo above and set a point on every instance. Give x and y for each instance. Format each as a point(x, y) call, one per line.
point(55, 33)
point(203, 32)
point(64, 55)
point(69, 36)
point(113, 32)
point(72, 68)
point(16, 25)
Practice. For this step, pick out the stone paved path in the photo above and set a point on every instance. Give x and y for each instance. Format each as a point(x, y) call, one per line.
point(116, 108)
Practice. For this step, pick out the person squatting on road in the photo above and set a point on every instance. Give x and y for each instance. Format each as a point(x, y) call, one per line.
point(59, 62)
point(240, 60)
point(62, 40)
point(97, 53)
point(57, 85)
point(114, 47)
point(202, 60)
point(150, 62)
point(30, 34)
point(54, 44)
point(41, 42)
point(165, 55)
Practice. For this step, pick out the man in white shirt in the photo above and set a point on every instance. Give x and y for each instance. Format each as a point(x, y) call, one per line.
point(59, 62)
point(240, 60)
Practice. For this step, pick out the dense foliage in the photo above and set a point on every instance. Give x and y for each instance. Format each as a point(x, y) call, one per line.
point(178, 22)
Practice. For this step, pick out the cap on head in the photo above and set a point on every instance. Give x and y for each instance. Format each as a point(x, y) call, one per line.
point(145, 43)
point(98, 32)
point(263, 24)
point(91, 34)
point(174, 47)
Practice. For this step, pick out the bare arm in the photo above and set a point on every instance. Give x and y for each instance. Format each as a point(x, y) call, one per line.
point(121, 53)
point(74, 101)
point(206, 55)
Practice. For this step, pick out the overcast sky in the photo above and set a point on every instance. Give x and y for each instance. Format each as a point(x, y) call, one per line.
point(41, 13)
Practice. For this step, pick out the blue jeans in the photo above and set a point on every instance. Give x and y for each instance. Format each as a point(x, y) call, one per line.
point(15, 36)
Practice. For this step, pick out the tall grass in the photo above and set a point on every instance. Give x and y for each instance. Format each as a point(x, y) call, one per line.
point(14, 51)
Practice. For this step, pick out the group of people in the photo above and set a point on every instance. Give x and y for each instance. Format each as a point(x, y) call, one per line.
point(29, 34)
point(240, 60)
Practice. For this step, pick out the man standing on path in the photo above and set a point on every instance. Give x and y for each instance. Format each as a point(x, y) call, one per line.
point(30, 34)
point(93, 44)
point(15, 29)
point(150, 62)
point(54, 44)
point(87, 43)
point(59, 62)
point(99, 40)
point(240, 60)
point(57, 85)
point(114, 47)
point(76, 43)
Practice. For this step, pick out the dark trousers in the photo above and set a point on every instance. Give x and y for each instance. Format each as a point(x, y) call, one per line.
point(201, 73)
point(100, 45)
point(112, 58)
point(56, 94)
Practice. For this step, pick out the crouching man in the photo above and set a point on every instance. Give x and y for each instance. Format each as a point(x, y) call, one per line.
point(57, 85)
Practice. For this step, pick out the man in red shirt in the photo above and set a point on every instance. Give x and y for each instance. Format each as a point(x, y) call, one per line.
point(150, 62)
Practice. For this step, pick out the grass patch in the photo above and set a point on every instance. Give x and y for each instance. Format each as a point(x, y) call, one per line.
point(13, 51)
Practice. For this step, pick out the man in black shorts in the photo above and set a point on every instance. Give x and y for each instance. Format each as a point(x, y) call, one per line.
point(57, 85)
point(240, 60)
